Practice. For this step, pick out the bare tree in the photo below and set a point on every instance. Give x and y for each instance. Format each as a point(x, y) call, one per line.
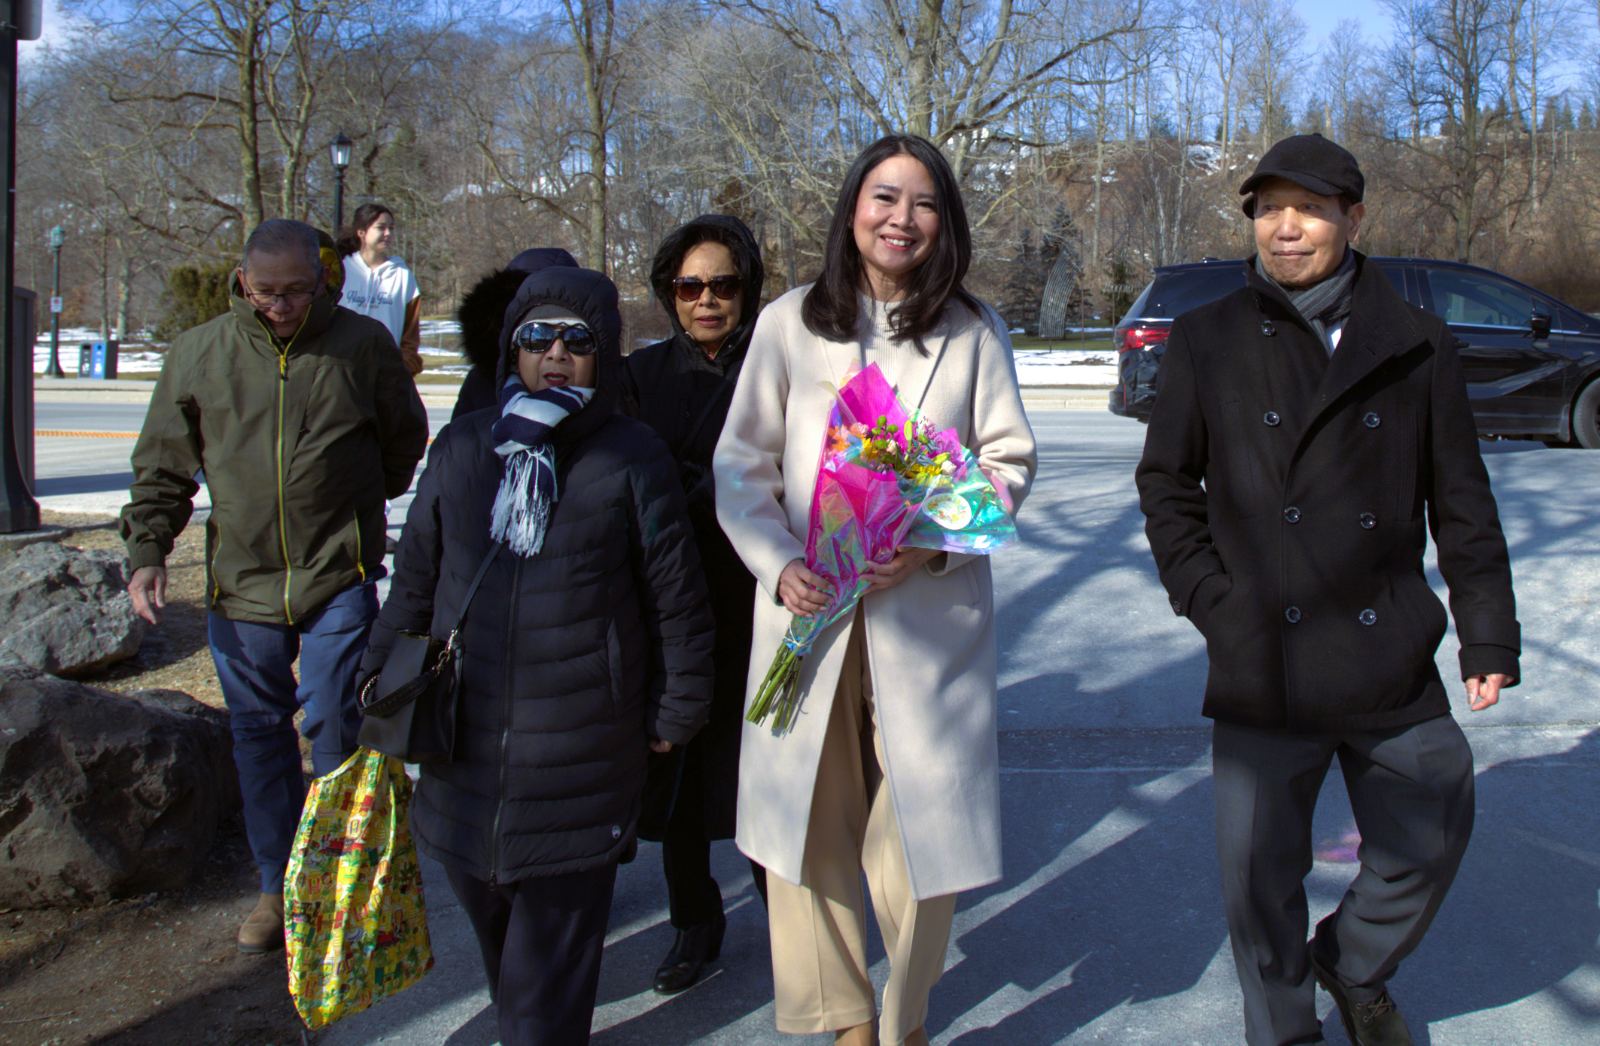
point(593, 26)
point(1270, 72)
point(1446, 56)
point(541, 110)
point(1228, 33)
point(951, 71)
point(252, 73)
point(1344, 68)
point(1534, 32)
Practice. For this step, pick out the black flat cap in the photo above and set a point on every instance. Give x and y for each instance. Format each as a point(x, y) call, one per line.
point(1310, 161)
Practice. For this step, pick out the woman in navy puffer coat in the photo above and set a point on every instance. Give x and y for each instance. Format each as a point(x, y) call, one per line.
point(578, 658)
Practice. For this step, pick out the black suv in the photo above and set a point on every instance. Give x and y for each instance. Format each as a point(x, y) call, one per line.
point(1532, 363)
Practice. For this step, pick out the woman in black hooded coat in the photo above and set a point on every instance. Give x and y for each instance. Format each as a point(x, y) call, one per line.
point(587, 645)
point(682, 388)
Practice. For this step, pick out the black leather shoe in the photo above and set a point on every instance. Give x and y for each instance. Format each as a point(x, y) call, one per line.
point(1375, 1023)
point(694, 948)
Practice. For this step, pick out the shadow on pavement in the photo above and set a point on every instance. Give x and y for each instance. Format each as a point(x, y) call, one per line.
point(481, 1030)
point(1522, 915)
point(736, 985)
point(1110, 895)
point(1110, 898)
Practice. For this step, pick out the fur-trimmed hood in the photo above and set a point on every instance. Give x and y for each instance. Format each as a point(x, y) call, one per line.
point(483, 308)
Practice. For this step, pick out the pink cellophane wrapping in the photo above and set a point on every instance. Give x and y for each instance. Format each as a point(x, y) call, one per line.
point(860, 514)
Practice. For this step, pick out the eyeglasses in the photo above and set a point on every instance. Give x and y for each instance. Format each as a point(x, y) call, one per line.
point(267, 301)
point(690, 288)
point(535, 337)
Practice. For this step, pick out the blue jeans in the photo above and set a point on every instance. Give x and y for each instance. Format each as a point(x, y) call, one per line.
point(255, 668)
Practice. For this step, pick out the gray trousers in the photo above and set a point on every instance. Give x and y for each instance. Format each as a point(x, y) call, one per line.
point(1411, 791)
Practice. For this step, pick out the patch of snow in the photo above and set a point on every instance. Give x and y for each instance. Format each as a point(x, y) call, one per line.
point(1206, 156)
point(1085, 367)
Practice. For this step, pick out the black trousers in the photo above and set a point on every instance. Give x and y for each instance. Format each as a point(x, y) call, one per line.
point(1411, 791)
point(541, 940)
point(693, 896)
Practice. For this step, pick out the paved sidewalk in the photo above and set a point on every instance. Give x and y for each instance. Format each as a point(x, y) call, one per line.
point(1107, 927)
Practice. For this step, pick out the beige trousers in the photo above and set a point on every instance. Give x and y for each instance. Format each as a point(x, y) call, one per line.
point(818, 930)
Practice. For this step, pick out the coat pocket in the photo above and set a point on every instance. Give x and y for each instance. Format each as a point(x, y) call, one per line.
point(1392, 633)
point(614, 667)
point(1244, 653)
point(1208, 595)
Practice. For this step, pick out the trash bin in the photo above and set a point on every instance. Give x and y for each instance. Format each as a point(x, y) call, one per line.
point(97, 360)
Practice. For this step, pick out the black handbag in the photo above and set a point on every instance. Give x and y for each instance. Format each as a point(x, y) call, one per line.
point(408, 707)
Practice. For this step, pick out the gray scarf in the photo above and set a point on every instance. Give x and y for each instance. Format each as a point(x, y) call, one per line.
point(1322, 304)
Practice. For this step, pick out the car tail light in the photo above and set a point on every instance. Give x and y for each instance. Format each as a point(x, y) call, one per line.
point(1139, 337)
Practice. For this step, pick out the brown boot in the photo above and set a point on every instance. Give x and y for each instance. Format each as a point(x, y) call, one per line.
point(263, 930)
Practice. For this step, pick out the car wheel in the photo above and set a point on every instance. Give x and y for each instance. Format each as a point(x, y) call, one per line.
point(1586, 417)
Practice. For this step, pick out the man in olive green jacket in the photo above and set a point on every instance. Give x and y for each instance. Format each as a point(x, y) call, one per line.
point(304, 420)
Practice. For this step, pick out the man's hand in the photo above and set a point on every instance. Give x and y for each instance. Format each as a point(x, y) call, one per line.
point(148, 590)
point(660, 747)
point(803, 592)
point(1484, 691)
point(906, 561)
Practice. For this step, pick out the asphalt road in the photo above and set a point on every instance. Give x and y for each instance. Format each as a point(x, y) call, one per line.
point(1108, 926)
point(81, 450)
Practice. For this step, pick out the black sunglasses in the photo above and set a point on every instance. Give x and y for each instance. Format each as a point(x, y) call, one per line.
point(536, 336)
point(690, 288)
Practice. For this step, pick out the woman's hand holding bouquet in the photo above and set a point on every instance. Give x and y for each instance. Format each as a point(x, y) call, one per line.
point(892, 492)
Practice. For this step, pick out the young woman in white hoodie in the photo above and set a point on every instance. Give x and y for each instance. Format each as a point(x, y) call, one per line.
point(378, 284)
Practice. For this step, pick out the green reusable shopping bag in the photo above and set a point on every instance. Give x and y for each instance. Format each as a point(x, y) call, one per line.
point(355, 925)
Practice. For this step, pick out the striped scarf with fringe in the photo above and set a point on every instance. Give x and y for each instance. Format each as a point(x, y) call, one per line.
point(524, 435)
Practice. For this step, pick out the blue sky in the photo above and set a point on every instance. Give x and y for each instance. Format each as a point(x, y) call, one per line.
point(1320, 16)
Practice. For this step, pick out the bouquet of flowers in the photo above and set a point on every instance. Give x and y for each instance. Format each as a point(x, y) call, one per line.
point(886, 478)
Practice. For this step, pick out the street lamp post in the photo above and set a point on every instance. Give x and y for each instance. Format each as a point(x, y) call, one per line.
point(339, 152)
point(18, 510)
point(58, 239)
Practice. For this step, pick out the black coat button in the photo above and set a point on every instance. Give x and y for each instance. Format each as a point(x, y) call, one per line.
point(1292, 615)
point(1368, 521)
point(1270, 418)
point(1267, 329)
point(1371, 420)
point(1368, 617)
point(1291, 515)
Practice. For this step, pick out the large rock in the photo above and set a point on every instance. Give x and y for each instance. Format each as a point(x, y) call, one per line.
point(105, 795)
point(66, 611)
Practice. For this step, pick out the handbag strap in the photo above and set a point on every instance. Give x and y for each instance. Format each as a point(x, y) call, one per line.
point(472, 590)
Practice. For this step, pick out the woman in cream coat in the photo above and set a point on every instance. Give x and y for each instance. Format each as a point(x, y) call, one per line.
point(892, 765)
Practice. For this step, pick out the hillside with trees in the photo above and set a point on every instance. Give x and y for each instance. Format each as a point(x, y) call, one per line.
point(1094, 139)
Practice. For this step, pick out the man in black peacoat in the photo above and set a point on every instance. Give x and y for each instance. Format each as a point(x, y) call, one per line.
point(1307, 428)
